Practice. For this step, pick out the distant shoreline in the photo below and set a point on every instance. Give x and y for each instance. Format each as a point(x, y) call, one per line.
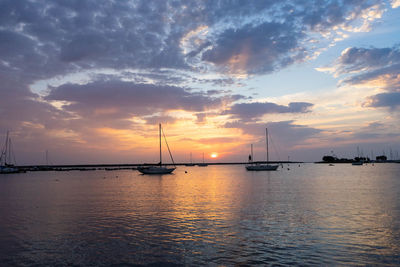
point(133, 166)
point(127, 165)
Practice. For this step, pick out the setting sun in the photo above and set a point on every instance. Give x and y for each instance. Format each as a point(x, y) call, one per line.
point(214, 155)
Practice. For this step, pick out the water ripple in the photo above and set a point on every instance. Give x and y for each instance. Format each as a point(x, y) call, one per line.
point(219, 215)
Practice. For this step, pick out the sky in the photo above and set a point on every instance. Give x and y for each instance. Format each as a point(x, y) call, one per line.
point(89, 81)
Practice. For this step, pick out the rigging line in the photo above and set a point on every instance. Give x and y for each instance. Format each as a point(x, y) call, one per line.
point(12, 153)
point(276, 151)
point(4, 151)
point(3, 155)
point(170, 154)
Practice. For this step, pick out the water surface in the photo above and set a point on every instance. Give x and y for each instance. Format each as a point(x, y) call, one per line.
point(219, 215)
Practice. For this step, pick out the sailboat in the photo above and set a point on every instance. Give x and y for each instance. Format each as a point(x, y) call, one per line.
point(202, 164)
point(6, 157)
point(158, 169)
point(261, 167)
point(191, 161)
point(359, 161)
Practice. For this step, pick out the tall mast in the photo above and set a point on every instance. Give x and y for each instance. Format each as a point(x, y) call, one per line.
point(7, 150)
point(252, 158)
point(266, 136)
point(159, 129)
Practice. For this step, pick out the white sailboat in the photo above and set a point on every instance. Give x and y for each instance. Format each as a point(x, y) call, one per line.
point(6, 157)
point(158, 169)
point(258, 166)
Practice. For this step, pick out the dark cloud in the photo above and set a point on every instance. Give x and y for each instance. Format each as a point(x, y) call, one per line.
point(85, 46)
point(117, 99)
point(143, 41)
point(153, 120)
point(360, 59)
point(391, 100)
point(63, 36)
point(387, 75)
point(323, 15)
point(18, 106)
point(377, 66)
point(251, 111)
point(256, 49)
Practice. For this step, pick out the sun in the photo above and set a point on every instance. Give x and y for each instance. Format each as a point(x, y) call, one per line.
point(214, 155)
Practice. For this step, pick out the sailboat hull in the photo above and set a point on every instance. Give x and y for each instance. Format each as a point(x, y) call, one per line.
point(159, 168)
point(155, 170)
point(5, 170)
point(262, 167)
point(202, 164)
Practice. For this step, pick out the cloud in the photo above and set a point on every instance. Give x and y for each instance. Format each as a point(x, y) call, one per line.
point(372, 67)
point(18, 106)
point(395, 3)
point(385, 77)
point(152, 55)
point(123, 100)
point(252, 111)
point(285, 133)
point(256, 49)
point(247, 37)
point(391, 100)
point(158, 119)
point(217, 140)
point(376, 132)
point(355, 59)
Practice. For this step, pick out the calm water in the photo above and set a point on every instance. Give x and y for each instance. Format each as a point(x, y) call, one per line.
point(218, 215)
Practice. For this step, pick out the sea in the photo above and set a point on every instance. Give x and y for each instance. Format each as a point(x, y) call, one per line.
point(301, 215)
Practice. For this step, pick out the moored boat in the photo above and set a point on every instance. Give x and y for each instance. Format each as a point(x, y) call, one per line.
point(158, 169)
point(6, 158)
point(203, 164)
point(191, 161)
point(253, 166)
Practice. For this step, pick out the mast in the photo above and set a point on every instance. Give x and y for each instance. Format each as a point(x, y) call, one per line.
point(7, 150)
point(251, 153)
point(159, 129)
point(266, 136)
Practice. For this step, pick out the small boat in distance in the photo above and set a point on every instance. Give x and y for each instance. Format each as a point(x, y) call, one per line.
point(358, 161)
point(202, 164)
point(191, 161)
point(259, 166)
point(160, 169)
point(6, 157)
